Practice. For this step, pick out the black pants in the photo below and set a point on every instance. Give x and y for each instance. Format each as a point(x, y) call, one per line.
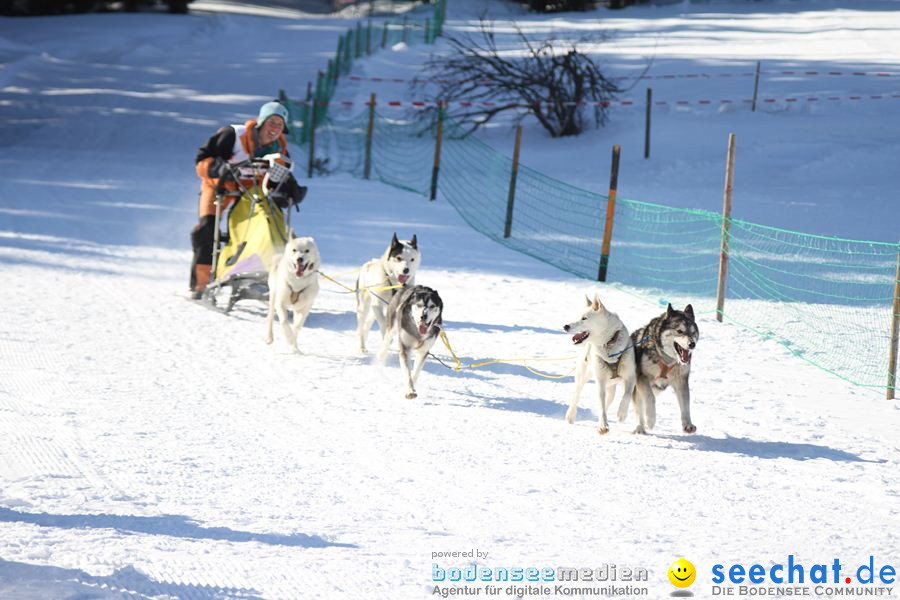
point(202, 238)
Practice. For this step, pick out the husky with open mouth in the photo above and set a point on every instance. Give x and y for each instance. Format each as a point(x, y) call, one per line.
point(414, 317)
point(293, 286)
point(604, 345)
point(663, 350)
point(381, 279)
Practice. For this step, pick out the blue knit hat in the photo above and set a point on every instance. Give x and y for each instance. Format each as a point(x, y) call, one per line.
point(270, 109)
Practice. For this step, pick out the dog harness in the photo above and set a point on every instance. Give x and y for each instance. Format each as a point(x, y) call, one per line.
point(393, 289)
point(614, 366)
point(296, 295)
point(664, 369)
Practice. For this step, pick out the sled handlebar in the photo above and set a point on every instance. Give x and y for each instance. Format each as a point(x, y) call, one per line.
point(274, 168)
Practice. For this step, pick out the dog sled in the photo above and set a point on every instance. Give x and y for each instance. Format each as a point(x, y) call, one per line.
point(258, 227)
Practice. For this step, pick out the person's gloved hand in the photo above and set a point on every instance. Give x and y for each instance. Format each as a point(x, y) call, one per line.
point(299, 193)
point(289, 192)
point(217, 168)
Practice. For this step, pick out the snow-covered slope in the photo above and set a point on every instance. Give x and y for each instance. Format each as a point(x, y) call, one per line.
point(150, 448)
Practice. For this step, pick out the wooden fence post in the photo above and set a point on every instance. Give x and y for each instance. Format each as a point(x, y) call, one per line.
point(348, 54)
point(511, 198)
point(312, 141)
point(369, 38)
point(329, 78)
point(321, 96)
point(437, 150)
point(316, 101)
point(755, 88)
point(427, 31)
point(369, 131)
point(348, 51)
point(338, 58)
point(726, 229)
point(610, 214)
point(307, 111)
point(405, 35)
point(647, 125)
point(895, 334)
point(384, 34)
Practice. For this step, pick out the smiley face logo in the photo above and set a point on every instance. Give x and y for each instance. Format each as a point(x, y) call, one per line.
point(682, 573)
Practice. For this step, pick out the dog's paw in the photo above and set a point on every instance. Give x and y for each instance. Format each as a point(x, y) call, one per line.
point(602, 430)
point(269, 339)
point(570, 415)
point(412, 396)
point(639, 430)
point(690, 428)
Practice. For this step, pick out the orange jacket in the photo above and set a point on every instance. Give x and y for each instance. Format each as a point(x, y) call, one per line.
point(234, 143)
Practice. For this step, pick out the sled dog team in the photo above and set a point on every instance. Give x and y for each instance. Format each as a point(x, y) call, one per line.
point(645, 363)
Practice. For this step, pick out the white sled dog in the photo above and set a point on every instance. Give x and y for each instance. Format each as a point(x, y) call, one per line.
point(414, 317)
point(396, 267)
point(604, 344)
point(293, 285)
point(663, 350)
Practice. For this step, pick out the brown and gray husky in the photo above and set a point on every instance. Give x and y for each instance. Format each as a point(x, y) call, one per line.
point(663, 351)
point(381, 279)
point(415, 318)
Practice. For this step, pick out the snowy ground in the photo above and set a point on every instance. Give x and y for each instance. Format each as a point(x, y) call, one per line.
point(150, 448)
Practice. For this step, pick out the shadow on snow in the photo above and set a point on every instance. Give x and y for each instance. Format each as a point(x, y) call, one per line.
point(169, 525)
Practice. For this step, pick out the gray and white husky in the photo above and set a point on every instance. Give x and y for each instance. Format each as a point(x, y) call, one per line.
point(396, 267)
point(663, 351)
point(414, 317)
point(605, 346)
point(293, 285)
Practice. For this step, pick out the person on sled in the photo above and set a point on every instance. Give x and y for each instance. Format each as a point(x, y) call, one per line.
point(233, 144)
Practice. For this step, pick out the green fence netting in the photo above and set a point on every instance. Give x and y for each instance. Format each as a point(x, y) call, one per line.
point(357, 42)
point(827, 300)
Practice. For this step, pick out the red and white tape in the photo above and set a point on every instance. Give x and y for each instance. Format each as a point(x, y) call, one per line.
point(626, 102)
point(796, 73)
